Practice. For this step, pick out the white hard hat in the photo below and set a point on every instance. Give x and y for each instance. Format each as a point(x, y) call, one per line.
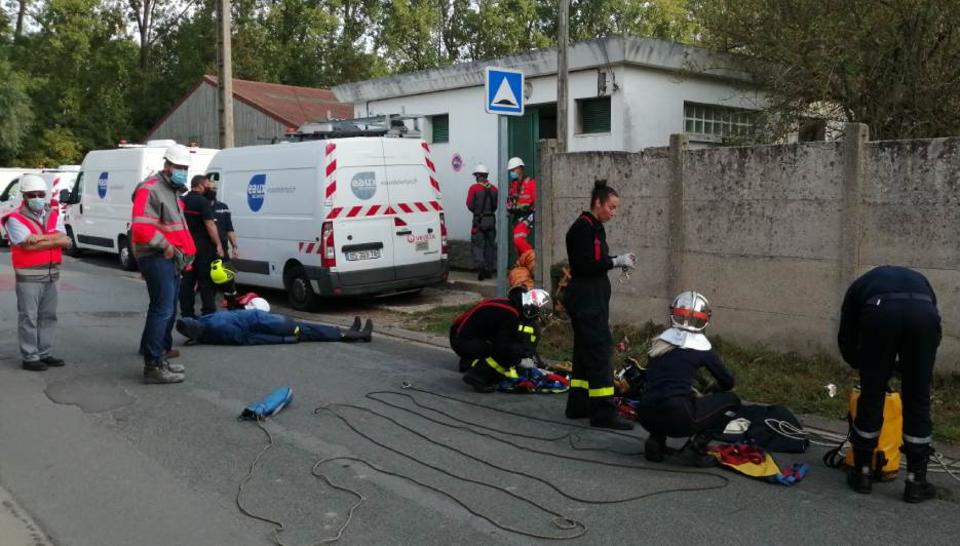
point(32, 182)
point(259, 304)
point(690, 311)
point(480, 169)
point(514, 163)
point(178, 154)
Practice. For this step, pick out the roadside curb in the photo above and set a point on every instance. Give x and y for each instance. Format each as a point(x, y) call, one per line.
point(17, 528)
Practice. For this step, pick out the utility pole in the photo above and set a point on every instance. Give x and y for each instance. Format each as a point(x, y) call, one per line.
point(225, 77)
point(563, 29)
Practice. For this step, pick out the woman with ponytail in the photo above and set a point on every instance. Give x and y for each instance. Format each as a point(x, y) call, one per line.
point(587, 301)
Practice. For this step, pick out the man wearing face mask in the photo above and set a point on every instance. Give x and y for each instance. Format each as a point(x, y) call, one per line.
point(37, 236)
point(163, 248)
point(521, 201)
point(202, 225)
point(224, 220)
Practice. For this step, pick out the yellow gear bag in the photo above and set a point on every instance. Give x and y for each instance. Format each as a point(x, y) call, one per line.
point(886, 456)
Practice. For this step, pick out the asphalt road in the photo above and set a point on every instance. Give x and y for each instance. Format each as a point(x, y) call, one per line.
point(98, 458)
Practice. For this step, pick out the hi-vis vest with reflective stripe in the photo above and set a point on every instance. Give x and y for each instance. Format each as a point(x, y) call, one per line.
point(35, 263)
point(157, 220)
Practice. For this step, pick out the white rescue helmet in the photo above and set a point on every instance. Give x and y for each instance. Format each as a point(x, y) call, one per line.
point(32, 182)
point(535, 303)
point(178, 155)
point(480, 169)
point(690, 311)
point(514, 163)
point(259, 304)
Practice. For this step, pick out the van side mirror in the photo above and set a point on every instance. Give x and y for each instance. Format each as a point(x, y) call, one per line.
point(65, 196)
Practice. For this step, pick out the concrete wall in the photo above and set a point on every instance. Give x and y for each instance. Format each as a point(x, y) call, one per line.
point(772, 235)
point(196, 120)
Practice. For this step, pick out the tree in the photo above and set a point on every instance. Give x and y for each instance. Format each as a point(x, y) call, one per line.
point(16, 113)
point(664, 19)
point(892, 64)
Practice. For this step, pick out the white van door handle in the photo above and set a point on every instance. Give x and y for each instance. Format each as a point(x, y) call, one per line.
point(405, 231)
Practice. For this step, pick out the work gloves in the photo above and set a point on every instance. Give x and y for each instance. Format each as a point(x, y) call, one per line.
point(626, 261)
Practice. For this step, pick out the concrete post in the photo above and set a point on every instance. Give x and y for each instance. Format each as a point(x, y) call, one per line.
point(855, 140)
point(678, 230)
point(544, 218)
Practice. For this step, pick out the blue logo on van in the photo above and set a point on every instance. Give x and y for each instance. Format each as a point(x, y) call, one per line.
point(256, 191)
point(102, 185)
point(364, 184)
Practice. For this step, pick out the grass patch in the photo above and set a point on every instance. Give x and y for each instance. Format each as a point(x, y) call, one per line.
point(763, 374)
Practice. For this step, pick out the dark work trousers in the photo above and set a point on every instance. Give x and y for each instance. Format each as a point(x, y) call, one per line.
point(197, 279)
point(910, 330)
point(483, 246)
point(684, 416)
point(592, 352)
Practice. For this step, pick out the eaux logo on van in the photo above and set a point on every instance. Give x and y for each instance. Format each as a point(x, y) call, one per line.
point(364, 184)
point(102, 184)
point(256, 191)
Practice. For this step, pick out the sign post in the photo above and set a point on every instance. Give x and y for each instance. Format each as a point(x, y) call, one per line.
point(503, 97)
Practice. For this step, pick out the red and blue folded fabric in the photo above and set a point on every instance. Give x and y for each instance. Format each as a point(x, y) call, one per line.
point(535, 380)
point(756, 463)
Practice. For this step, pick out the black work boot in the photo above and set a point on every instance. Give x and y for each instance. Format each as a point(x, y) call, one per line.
point(364, 335)
point(603, 414)
point(479, 379)
point(190, 328)
point(655, 448)
point(357, 323)
point(859, 477)
point(53, 362)
point(578, 404)
point(692, 455)
point(34, 365)
point(917, 488)
point(465, 364)
point(159, 373)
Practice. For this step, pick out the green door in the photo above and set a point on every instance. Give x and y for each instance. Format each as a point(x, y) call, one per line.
point(523, 134)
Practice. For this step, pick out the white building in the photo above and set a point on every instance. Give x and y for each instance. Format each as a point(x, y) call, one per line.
point(625, 94)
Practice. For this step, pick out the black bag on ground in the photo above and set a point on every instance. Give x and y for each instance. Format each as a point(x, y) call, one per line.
point(762, 435)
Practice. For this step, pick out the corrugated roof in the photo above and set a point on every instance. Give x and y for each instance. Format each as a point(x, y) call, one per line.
point(289, 104)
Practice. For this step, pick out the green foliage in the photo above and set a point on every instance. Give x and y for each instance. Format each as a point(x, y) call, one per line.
point(891, 64)
point(16, 114)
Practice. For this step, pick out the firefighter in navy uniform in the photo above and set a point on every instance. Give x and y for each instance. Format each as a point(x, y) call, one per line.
point(587, 300)
point(890, 313)
point(492, 337)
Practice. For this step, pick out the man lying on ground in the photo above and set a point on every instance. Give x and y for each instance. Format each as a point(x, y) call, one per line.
point(257, 327)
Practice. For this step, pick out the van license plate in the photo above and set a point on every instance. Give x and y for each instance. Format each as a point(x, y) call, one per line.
point(357, 255)
point(423, 246)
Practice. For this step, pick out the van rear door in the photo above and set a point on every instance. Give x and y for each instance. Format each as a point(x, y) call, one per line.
point(415, 196)
point(357, 206)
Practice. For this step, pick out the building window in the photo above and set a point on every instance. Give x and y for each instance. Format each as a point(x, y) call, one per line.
point(594, 115)
point(441, 128)
point(718, 121)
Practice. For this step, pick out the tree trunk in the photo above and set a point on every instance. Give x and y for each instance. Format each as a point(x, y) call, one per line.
point(21, 15)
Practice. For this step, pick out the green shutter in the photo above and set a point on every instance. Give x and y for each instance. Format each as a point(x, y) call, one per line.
point(595, 115)
point(441, 128)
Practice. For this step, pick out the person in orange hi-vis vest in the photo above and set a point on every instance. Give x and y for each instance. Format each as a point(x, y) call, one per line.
point(164, 249)
point(37, 236)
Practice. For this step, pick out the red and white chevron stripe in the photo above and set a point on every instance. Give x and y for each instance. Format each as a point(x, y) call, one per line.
point(433, 169)
point(310, 247)
point(331, 160)
point(363, 211)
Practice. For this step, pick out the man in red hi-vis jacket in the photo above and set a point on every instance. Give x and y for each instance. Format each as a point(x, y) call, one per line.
point(163, 248)
point(37, 237)
point(521, 204)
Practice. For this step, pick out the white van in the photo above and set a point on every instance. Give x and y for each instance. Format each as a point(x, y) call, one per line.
point(102, 198)
point(10, 196)
point(335, 217)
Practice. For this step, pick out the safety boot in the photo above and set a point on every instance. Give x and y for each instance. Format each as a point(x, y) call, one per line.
point(478, 377)
point(655, 448)
point(160, 374)
point(917, 488)
point(190, 328)
point(859, 476)
point(34, 365)
point(356, 324)
point(603, 414)
point(364, 335)
point(578, 404)
point(465, 364)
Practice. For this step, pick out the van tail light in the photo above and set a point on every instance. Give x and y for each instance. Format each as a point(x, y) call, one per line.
point(328, 253)
point(443, 235)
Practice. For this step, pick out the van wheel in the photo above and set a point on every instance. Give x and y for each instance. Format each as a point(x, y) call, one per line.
point(73, 251)
point(300, 290)
point(127, 261)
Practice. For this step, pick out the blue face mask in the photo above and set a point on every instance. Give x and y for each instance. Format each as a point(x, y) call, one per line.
point(514, 175)
point(179, 178)
point(36, 204)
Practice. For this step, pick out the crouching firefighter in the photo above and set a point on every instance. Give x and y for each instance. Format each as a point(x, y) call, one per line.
point(496, 334)
point(889, 313)
point(670, 406)
point(257, 327)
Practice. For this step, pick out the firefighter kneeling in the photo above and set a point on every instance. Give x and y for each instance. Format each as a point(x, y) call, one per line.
point(496, 334)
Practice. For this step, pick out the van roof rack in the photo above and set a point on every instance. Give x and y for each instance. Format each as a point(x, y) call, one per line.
point(386, 125)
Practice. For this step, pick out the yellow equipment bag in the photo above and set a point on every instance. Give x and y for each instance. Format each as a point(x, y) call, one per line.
point(886, 457)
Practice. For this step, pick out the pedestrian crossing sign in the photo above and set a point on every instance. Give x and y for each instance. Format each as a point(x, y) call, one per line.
point(504, 91)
